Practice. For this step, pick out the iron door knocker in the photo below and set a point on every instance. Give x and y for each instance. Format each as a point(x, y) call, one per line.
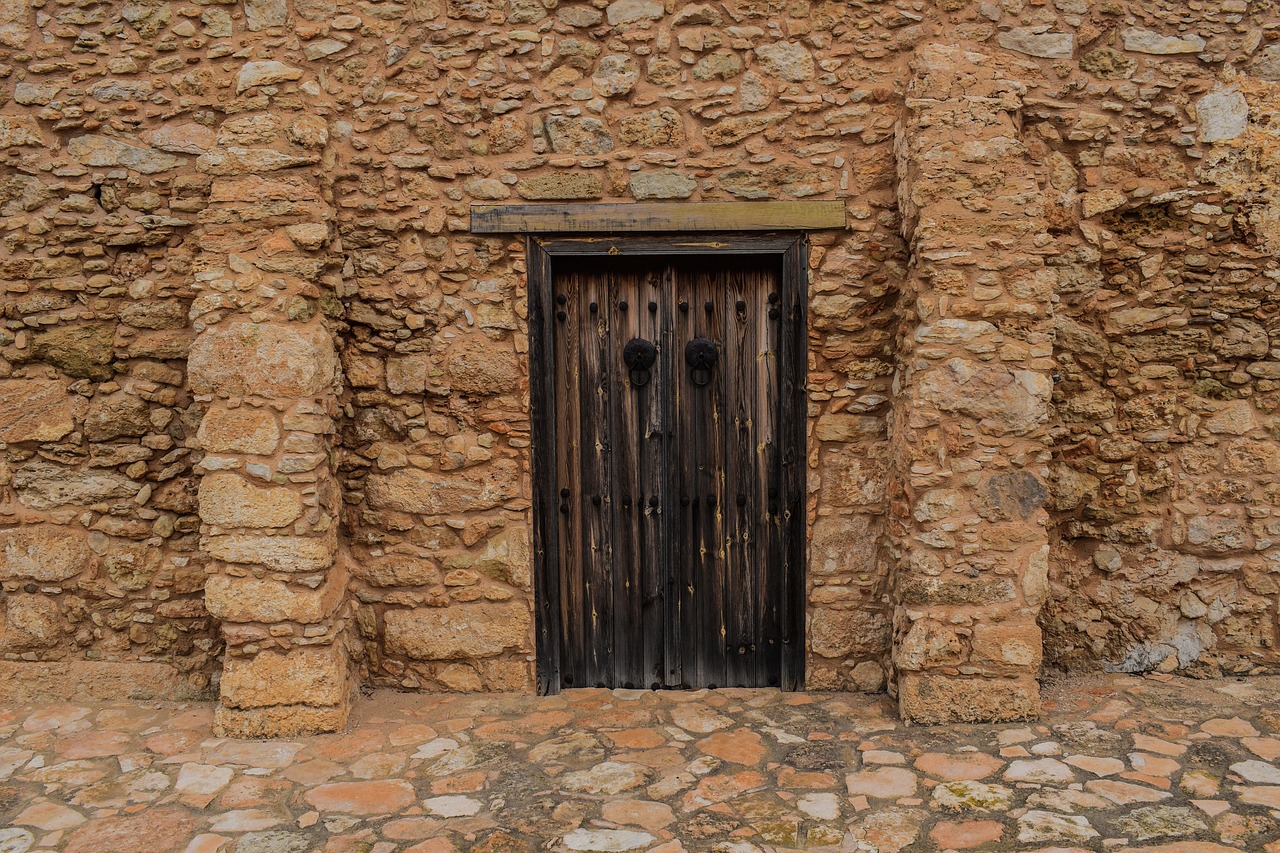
point(701, 355)
point(639, 356)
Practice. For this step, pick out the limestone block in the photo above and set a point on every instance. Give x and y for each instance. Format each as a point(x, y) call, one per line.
point(1218, 534)
point(733, 130)
point(311, 675)
point(950, 331)
point(249, 599)
point(561, 186)
point(410, 374)
point(616, 75)
point(786, 60)
point(850, 478)
point(38, 410)
point(30, 622)
point(508, 557)
point(939, 699)
point(82, 350)
point(848, 633)
point(99, 681)
point(1006, 401)
point(928, 644)
point(131, 566)
point(1035, 579)
point(1011, 496)
point(117, 415)
point(440, 493)
point(229, 500)
point(1078, 338)
point(577, 135)
point(43, 485)
point(1011, 643)
point(278, 360)
point(723, 64)
point(265, 74)
point(652, 129)
point(246, 161)
point(397, 570)
point(475, 367)
point(155, 314)
point(667, 184)
point(1223, 115)
point(486, 189)
point(923, 590)
point(286, 186)
point(1241, 338)
point(280, 721)
point(846, 426)
point(1046, 45)
point(15, 22)
point(183, 138)
point(43, 553)
point(844, 545)
point(261, 14)
point(460, 631)
point(108, 152)
point(19, 130)
point(1266, 63)
point(246, 429)
point(629, 11)
point(1234, 418)
point(281, 553)
point(1145, 41)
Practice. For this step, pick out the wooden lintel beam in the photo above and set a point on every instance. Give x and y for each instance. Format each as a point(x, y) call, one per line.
point(661, 216)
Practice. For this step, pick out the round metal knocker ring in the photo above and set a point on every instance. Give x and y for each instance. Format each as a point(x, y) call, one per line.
point(701, 355)
point(639, 355)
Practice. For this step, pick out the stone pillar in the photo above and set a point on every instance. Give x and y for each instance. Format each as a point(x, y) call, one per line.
point(970, 448)
point(265, 365)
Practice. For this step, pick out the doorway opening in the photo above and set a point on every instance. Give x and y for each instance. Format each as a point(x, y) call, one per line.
point(668, 406)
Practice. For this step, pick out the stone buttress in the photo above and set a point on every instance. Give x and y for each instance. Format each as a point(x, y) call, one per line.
point(265, 364)
point(967, 524)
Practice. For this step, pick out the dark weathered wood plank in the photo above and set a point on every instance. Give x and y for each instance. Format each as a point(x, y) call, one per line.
point(656, 216)
point(794, 367)
point(665, 245)
point(543, 412)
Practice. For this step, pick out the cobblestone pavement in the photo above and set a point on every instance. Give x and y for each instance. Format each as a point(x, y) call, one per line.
point(1117, 763)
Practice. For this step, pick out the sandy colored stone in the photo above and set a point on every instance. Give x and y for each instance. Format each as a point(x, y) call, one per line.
point(315, 675)
point(561, 186)
point(245, 429)
point(249, 599)
point(1005, 401)
point(433, 493)
point(229, 500)
point(43, 553)
point(104, 151)
point(465, 631)
point(263, 359)
point(282, 553)
point(279, 721)
point(36, 410)
point(931, 698)
point(43, 486)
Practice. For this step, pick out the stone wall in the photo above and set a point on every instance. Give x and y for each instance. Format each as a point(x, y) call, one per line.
point(237, 263)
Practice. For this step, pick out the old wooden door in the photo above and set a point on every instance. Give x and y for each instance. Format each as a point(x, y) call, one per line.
point(675, 472)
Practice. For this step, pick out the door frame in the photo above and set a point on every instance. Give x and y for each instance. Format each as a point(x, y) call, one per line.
point(791, 248)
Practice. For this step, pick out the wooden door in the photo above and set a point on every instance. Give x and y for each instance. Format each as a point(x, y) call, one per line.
point(669, 403)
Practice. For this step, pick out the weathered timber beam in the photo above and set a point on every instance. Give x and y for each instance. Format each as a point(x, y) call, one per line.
point(673, 216)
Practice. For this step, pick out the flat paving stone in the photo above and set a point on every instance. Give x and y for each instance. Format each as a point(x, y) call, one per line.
point(1118, 763)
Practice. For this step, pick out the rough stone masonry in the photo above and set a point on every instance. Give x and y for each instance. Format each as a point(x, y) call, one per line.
point(264, 397)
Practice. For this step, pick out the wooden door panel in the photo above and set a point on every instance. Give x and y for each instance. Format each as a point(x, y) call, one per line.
point(669, 545)
point(727, 464)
